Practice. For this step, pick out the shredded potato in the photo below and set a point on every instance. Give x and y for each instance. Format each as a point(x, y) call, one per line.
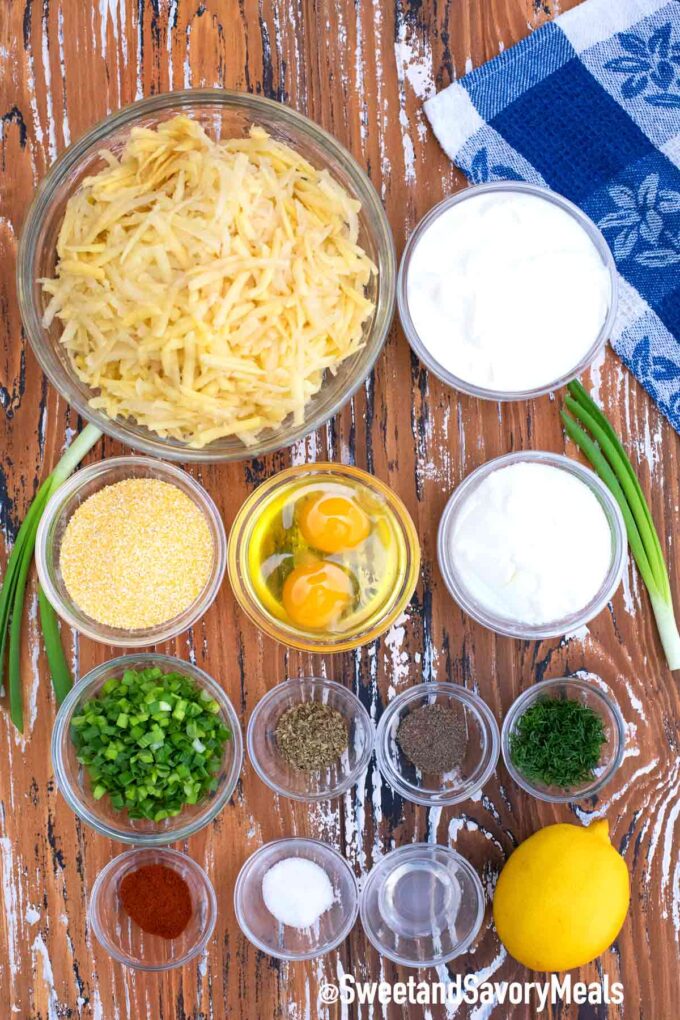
point(205, 287)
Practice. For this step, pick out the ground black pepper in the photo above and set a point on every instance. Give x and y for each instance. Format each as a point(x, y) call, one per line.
point(311, 735)
point(433, 737)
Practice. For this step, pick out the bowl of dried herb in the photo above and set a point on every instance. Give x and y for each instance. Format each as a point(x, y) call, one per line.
point(563, 739)
point(310, 738)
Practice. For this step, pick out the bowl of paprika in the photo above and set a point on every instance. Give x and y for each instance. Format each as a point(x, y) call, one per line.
point(153, 909)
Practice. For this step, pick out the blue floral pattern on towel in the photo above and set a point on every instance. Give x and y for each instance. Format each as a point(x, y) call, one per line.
point(481, 172)
point(645, 223)
point(659, 376)
point(653, 368)
point(651, 67)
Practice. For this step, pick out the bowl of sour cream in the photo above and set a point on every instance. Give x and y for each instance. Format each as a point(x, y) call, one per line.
point(532, 545)
point(507, 291)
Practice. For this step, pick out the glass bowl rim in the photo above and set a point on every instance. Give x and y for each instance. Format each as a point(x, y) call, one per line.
point(422, 352)
point(271, 627)
point(60, 734)
point(473, 703)
point(128, 115)
point(295, 684)
point(148, 636)
point(293, 842)
point(555, 628)
point(113, 951)
point(525, 699)
point(408, 849)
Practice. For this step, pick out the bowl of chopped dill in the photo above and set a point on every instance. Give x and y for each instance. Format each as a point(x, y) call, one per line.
point(147, 749)
point(563, 739)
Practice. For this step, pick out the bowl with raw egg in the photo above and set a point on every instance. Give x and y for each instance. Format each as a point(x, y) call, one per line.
point(323, 557)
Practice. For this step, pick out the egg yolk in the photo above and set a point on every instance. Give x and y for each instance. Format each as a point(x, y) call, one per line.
point(315, 595)
point(333, 523)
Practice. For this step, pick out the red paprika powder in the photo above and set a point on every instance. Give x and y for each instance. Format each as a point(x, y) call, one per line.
point(157, 899)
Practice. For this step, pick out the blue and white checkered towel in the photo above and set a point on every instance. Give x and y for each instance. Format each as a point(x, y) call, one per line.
point(589, 105)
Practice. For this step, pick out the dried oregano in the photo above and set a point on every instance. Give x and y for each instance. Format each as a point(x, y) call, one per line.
point(311, 735)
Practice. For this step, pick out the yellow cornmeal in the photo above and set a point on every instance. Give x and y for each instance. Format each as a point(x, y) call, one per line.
point(136, 554)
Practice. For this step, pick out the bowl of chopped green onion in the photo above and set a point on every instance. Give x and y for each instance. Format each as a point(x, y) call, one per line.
point(563, 739)
point(147, 749)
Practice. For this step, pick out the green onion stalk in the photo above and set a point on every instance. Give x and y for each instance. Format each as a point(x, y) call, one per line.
point(595, 436)
point(13, 591)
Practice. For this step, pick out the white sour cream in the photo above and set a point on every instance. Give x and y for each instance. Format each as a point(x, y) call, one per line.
point(507, 291)
point(531, 544)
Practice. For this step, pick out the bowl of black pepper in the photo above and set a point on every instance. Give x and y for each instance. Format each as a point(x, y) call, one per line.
point(310, 738)
point(437, 744)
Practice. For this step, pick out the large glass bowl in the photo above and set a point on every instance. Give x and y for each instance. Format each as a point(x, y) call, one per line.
point(504, 187)
point(74, 783)
point(229, 114)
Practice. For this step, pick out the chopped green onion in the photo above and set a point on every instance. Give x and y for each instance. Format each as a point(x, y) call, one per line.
point(604, 450)
point(166, 759)
point(16, 575)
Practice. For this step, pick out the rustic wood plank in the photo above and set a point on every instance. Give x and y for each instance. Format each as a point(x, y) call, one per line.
point(361, 68)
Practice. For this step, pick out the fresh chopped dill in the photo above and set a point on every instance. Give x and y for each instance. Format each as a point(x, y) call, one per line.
point(557, 742)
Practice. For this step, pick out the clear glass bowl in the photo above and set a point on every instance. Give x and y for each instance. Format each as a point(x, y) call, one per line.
point(244, 589)
point(283, 941)
point(229, 114)
point(124, 940)
point(74, 783)
point(481, 751)
point(515, 628)
point(422, 905)
point(79, 487)
point(272, 767)
point(589, 694)
point(421, 350)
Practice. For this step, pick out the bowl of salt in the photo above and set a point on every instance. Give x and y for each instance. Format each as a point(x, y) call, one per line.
point(296, 899)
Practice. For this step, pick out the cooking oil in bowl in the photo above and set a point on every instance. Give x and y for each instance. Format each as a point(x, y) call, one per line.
point(325, 557)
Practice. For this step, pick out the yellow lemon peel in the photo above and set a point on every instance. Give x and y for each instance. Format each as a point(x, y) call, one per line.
point(562, 897)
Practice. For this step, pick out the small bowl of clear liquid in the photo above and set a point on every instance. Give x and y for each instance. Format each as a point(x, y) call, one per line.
point(422, 905)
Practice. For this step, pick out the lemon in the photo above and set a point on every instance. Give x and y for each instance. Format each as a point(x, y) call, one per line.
point(562, 897)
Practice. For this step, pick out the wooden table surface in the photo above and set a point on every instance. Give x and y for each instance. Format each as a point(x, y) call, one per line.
point(361, 68)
